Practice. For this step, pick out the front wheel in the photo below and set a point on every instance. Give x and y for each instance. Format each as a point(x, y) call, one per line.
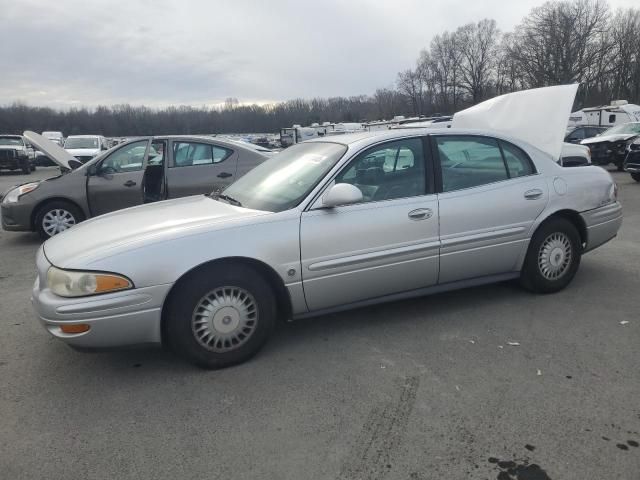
point(553, 257)
point(55, 217)
point(220, 315)
point(636, 176)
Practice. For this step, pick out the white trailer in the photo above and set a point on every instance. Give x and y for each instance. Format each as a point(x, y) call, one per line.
point(619, 112)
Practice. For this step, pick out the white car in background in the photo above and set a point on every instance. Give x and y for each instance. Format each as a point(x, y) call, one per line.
point(573, 155)
point(85, 147)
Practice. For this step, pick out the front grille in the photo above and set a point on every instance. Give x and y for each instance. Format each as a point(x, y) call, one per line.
point(8, 154)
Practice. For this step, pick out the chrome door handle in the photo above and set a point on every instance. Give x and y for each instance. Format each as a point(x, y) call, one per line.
point(533, 194)
point(129, 183)
point(420, 214)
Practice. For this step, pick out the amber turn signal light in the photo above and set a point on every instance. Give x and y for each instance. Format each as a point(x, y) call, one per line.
point(75, 328)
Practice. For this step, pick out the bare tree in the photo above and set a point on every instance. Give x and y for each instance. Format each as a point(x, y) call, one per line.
point(410, 85)
point(477, 43)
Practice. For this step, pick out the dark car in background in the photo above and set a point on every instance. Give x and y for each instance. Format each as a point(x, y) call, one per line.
point(612, 145)
point(632, 159)
point(142, 170)
point(16, 154)
point(579, 133)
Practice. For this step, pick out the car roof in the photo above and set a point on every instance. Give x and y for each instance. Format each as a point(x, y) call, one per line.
point(353, 139)
point(207, 138)
point(8, 135)
point(84, 136)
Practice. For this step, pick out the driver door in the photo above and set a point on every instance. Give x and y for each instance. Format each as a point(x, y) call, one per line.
point(388, 243)
point(118, 179)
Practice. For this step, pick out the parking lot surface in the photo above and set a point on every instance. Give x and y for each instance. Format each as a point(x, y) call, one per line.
point(484, 383)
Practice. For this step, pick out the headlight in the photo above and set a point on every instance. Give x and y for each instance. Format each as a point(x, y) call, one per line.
point(67, 283)
point(634, 144)
point(14, 195)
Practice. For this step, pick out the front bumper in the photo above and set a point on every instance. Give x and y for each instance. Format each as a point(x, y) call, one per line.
point(16, 217)
point(602, 224)
point(604, 153)
point(632, 162)
point(120, 319)
point(13, 163)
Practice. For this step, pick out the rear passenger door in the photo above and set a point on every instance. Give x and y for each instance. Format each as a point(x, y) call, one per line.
point(490, 195)
point(199, 168)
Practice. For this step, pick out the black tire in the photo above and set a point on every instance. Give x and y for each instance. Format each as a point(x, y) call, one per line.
point(182, 307)
point(533, 277)
point(74, 210)
point(636, 176)
point(33, 168)
point(26, 169)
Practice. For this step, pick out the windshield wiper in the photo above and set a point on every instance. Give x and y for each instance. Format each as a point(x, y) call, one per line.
point(229, 199)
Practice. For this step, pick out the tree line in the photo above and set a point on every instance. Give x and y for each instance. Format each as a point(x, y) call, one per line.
point(560, 42)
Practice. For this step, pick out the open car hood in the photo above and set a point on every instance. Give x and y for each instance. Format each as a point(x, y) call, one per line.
point(538, 116)
point(53, 151)
point(616, 137)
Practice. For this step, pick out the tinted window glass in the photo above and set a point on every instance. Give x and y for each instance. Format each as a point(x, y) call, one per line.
point(125, 159)
point(186, 154)
point(517, 161)
point(391, 170)
point(577, 134)
point(469, 162)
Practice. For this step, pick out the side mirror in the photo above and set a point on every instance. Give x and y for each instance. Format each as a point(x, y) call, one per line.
point(341, 194)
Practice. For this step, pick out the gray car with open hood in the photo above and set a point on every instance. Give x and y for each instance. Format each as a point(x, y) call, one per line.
point(142, 170)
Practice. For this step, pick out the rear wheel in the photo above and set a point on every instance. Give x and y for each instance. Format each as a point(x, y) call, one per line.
point(636, 176)
point(57, 216)
point(553, 257)
point(220, 316)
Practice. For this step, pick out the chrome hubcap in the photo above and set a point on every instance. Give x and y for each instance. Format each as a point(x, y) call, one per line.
point(56, 221)
point(555, 256)
point(224, 319)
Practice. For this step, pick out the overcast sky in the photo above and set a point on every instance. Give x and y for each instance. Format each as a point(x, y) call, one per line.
point(63, 53)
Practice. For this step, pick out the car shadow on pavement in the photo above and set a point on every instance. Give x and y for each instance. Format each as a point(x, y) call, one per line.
point(22, 239)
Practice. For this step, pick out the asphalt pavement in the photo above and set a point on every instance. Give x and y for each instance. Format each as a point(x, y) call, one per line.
point(484, 383)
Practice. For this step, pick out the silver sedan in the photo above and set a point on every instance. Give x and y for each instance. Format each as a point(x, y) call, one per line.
point(326, 225)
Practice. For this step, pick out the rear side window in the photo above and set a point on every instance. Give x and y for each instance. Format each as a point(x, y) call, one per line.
point(517, 161)
point(468, 162)
point(187, 154)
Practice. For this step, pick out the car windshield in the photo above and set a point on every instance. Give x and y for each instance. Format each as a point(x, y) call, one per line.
point(10, 141)
point(81, 142)
point(627, 128)
point(284, 180)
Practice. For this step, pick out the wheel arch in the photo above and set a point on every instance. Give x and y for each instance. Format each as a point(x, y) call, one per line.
point(575, 218)
point(275, 282)
point(41, 203)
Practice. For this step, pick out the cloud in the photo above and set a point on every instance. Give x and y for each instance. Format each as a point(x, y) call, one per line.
point(161, 52)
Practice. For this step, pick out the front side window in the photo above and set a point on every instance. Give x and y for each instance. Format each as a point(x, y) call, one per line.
point(187, 154)
point(391, 170)
point(468, 162)
point(126, 159)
